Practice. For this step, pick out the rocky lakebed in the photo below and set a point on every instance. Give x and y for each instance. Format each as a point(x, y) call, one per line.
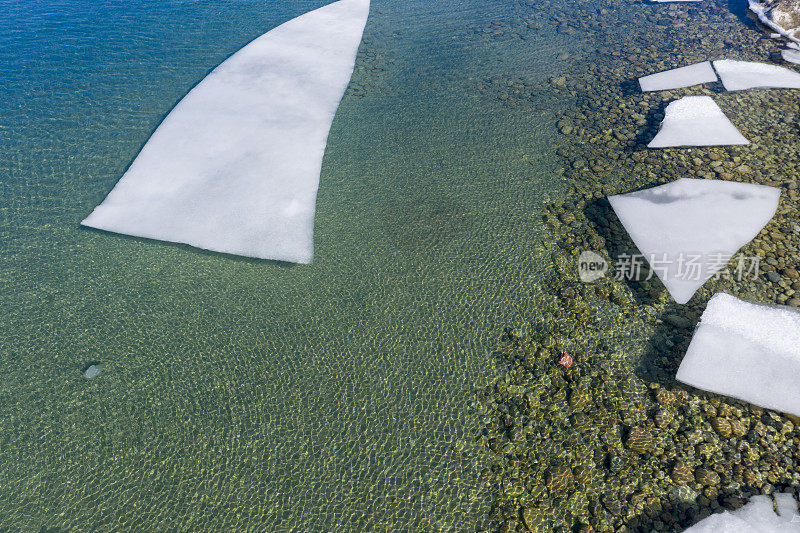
point(614, 442)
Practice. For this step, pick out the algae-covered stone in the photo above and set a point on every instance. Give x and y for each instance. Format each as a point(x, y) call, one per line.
point(579, 398)
point(639, 440)
point(678, 321)
point(580, 421)
point(682, 473)
point(707, 477)
point(665, 397)
point(533, 518)
point(722, 427)
point(558, 478)
point(662, 417)
point(582, 474)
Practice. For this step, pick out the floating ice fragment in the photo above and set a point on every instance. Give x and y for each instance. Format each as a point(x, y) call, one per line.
point(755, 517)
point(679, 77)
point(791, 56)
point(740, 75)
point(235, 165)
point(695, 121)
point(692, 227)
point(748, 351)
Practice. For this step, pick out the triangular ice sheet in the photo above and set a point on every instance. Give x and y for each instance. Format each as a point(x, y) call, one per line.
point(686, 228)
point(755, 517)
point(695, 121)
point(748, 351)
point(740, 75)
point(679, 77)
point(235, 165)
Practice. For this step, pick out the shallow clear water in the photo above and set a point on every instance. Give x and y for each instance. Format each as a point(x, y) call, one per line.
point(240, 394)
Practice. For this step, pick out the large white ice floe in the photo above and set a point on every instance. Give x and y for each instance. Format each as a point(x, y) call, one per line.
point(695, 121)
point(679, 77)
point(740, 75)
point(235, 165)
point(755, 517)
point(690, 228)
point(783, 16)
point(748, 351)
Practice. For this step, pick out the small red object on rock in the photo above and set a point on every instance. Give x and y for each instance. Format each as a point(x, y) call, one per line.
point(566, 360)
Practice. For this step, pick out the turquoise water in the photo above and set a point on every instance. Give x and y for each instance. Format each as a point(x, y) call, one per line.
point(240, 394)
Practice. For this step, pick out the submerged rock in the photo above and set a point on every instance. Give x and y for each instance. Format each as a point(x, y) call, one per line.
point(682, 474)
point(722, 427)
point(93, 370)
point(639, 440)
point(558, 478)
point(704, 476)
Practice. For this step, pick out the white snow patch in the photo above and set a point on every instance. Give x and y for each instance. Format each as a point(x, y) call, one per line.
point(693, 222)
point(748, 351)
point(235, 165)
point(757, 516)
point(679, 77)
point(740, 75)
point(695, 121)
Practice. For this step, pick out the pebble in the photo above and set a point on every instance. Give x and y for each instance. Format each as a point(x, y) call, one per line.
point(707, 477)
point(558, 479)
point(663, 417)
point(722, 427)
point(639, 440)
point(665, 397)
point(682, 474)
point(93, 371)
point(678, 321)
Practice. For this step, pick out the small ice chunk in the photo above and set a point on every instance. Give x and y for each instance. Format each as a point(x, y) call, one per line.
point(755, 517)
point(748, 351)
point(791, 56)
point(695, 121)
point(235, 166)
point(691, 227)
point(740, 75)
point(92, 371)
point(679, 77)
point(786, 505)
